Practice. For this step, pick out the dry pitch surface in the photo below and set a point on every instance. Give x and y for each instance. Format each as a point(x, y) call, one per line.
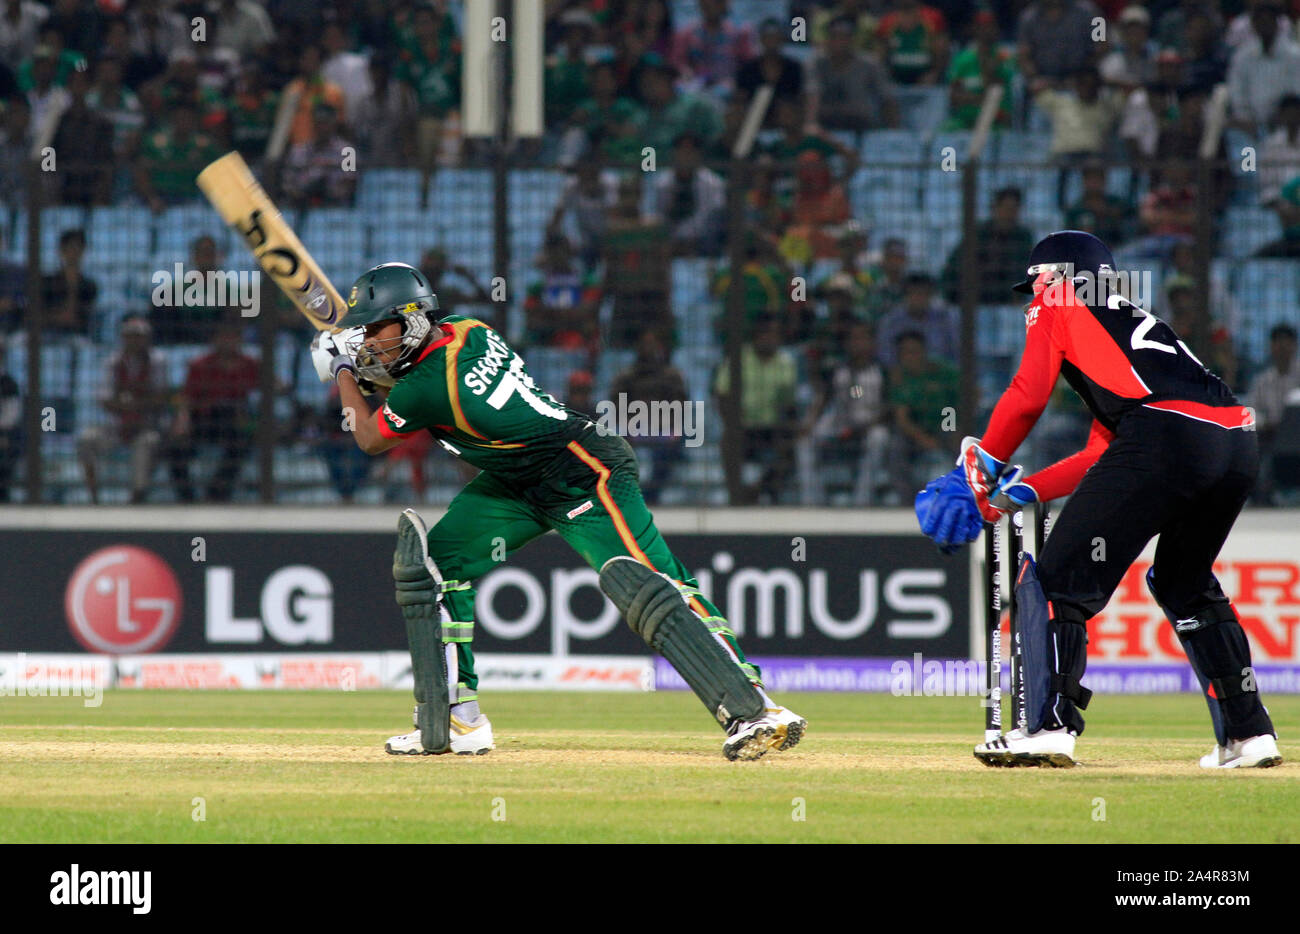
point(302, 767)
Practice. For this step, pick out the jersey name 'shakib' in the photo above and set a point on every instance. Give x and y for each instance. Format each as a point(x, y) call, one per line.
point(473, 394)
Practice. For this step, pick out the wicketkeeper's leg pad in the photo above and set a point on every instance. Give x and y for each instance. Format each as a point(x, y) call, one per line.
point(1053, 657)
point(659, 612)
point(419, 588)
point(1219, 654)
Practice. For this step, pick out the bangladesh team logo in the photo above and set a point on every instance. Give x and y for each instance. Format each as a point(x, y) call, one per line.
point(123, 600)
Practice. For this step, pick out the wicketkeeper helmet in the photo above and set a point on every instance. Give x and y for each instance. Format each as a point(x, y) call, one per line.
point(1069, 251)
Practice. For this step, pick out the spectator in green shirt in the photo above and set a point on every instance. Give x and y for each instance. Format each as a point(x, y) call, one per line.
point(974, 70)
point(1097, 211)
point(566, 82)
point(612, 125)
point(769, 417)
point(171, 156)
point(669, 114)
point(922, 391)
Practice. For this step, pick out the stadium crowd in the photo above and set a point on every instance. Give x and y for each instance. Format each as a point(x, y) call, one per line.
point(852, 333)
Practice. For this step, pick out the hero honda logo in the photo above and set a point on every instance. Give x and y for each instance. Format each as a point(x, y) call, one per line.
point(122, 600)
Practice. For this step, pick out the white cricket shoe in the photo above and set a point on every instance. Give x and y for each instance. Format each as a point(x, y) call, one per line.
point(1258, 752)
point(472, 738)
point(1052, 748)
point(779, 728)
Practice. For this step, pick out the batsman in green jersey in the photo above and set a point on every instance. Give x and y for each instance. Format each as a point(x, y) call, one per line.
point(543, 466)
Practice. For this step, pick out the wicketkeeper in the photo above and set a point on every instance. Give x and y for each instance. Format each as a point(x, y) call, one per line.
point(544, 466)
point(1171, 454)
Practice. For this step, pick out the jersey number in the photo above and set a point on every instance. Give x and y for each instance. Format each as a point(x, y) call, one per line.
point(516, 380)
point(1140, 340)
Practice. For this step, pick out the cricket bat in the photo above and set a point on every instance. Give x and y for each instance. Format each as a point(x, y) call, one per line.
point(244, 205)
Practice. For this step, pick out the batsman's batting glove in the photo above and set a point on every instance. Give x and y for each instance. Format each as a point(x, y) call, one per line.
point(947, 511)
point(981, 471)
point(329, 357)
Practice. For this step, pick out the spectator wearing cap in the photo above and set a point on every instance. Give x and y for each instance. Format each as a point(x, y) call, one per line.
point(708, 52)
point(914, 41)
point(133, 393)
point(975, 69)
point(1263, 70)
point(851, 246)
point(921, 310)
point(171, 155)
point(771, 66)
point(670, 114)
point(849, 90)
point(1054, 39)
point(652, 380)
point(313, 171)
point(53, 49)
point(567, 67)
point(1133, 63)
point(691, 200)
point(1147, 108)
point(1279, 156)
point(1001, 244)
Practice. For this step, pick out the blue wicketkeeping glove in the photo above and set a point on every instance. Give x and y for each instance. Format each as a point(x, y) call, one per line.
point(947, 511)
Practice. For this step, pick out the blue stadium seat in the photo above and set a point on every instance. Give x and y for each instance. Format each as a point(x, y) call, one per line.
point(119, 238)
point(337, 238)
point(381, 189)
point(1246, 229)
point(895, 146)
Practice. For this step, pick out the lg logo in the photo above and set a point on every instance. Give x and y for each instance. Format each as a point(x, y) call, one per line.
point(122, 600)
point(125, 600)
point(297, 607)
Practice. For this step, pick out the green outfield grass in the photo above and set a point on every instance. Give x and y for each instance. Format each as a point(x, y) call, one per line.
point(289, 767)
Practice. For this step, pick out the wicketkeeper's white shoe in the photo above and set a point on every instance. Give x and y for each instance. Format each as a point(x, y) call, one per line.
point(1258, 752)
point(467, 739)
point(779, 728)
point(1054, 748)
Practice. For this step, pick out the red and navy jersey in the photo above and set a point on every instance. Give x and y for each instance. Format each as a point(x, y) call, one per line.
point(1120, 359)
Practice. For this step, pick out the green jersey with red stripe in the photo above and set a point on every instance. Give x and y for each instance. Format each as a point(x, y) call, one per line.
point(474, 395)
